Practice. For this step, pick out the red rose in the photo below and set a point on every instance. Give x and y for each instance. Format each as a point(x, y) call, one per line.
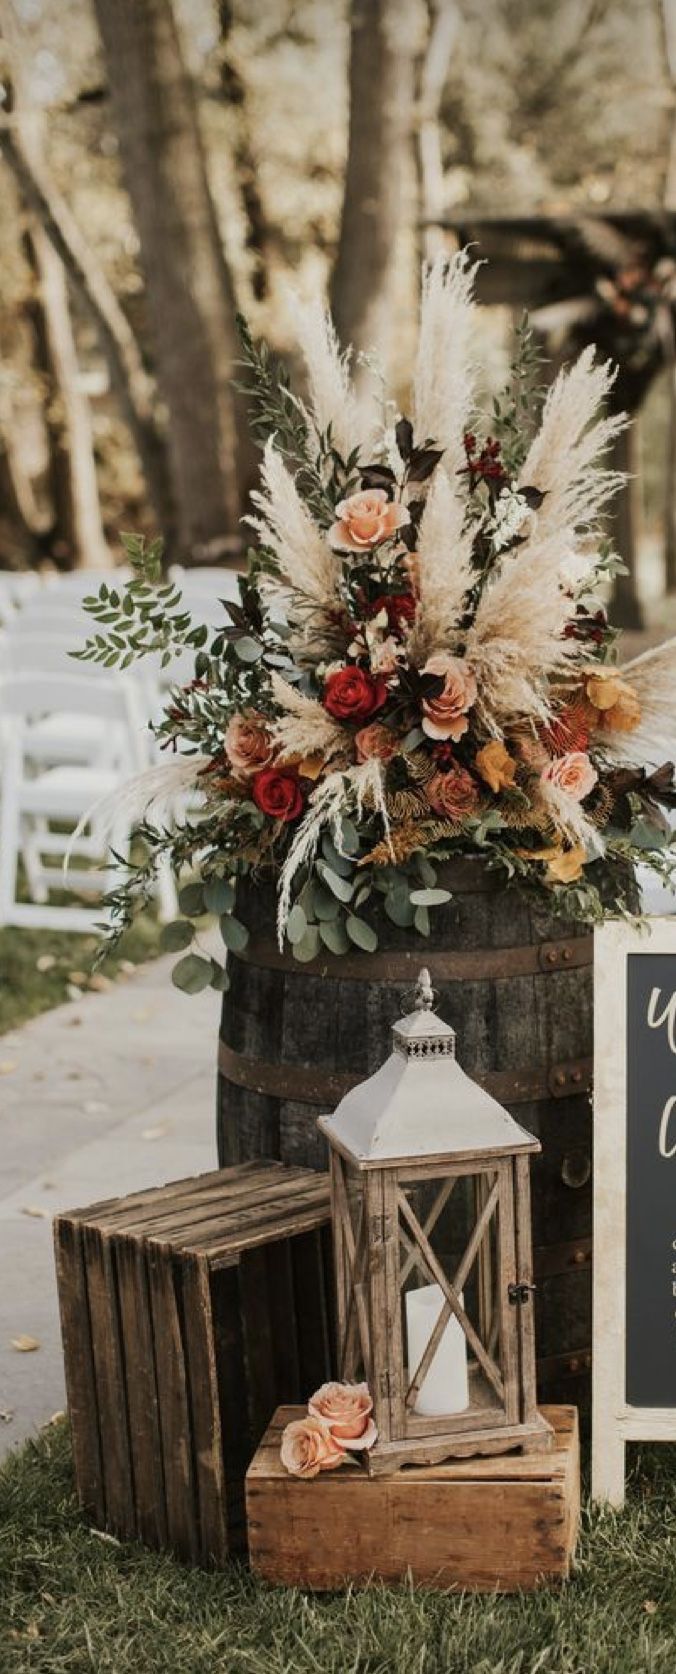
point(398, 607)
point(277, 794)
point(352, 694)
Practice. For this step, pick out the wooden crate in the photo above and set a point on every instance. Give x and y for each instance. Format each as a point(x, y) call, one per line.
point(188, 1313)
point(485, 1524)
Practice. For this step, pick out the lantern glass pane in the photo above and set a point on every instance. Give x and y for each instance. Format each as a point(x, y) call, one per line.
point(455, 1238)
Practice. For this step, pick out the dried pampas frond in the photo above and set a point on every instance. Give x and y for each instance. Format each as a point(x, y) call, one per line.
point(516, 639)
point(561, 461)
point(569, 818)
point(340, 793)
point(306, 563)
point(443, 385)
point(151, 795)
point(444, 569)
point(653, 741)
point(306, 729)
point(334, 402)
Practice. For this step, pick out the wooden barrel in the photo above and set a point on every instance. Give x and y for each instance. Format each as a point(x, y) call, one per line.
point(516, 984)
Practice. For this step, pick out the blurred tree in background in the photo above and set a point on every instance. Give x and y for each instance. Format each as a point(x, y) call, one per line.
point(166, 164)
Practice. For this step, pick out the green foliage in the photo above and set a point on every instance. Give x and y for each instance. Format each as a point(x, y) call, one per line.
point(517, 409)
point(275, 411)
point(142, 618)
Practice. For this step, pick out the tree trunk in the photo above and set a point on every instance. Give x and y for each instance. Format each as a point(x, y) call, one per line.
point(444, 22)
point(80, 539)
point(377, 177)
point(189, 290)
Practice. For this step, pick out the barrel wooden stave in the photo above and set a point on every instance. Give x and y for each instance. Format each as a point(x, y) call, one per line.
point(317, 1020)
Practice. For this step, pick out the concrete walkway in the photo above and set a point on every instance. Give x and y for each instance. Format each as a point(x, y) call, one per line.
point(105, 1095)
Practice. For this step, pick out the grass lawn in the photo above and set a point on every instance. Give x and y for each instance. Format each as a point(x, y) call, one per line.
point(72, 1601)
point(37, 968)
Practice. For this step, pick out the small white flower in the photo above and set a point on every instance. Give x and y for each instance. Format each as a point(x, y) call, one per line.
point(511, 512)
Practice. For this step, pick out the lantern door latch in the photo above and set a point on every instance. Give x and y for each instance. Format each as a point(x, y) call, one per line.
point(520, 1292)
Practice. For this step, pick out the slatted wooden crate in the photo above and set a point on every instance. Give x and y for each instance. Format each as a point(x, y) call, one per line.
point(188, 1313)
point(499, 1524)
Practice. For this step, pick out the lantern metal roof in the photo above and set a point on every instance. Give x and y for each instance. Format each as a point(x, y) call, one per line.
point(420, 1103)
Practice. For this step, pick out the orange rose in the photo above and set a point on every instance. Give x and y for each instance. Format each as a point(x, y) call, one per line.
point(573, 774)
point(346, 1410)
point(563, 865)
point(454, 794)
point(616, 700)
point(375, 740)
point(308, 1447)
point(248, 743)
point(494, 764)
point(366, 519)
point(445, 716)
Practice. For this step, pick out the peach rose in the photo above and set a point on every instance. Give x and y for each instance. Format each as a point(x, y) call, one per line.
point(445, 716)
point(454, 794)
point(615, 699)
point(375, 740)
point(495, 765)
point(346, 1409)
point(308, 1447)
point(366, 519)
point(573, 774)
point(247, 743)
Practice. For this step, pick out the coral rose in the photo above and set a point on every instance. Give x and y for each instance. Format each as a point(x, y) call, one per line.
point(573, 774)
point(375, 740)
point(366, 519)
point(308, 1447)
point(454, 794)
point(346, 1409)
point(277, 793)
point(494, 764)
point(247, 743)
point(445, 716)
point(352, 694)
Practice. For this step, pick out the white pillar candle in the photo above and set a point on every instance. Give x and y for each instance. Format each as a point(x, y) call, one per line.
point(445, 1388)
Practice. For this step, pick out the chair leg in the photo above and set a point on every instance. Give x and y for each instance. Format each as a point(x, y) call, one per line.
point(31, 855)
point(165, 889)
point(9, 836)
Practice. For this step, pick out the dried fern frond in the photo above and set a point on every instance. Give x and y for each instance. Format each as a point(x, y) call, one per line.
point(420, 767)
point(405, 804)
point(603, 807)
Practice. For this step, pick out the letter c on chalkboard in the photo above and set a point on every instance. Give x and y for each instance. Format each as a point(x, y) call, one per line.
point(665, 1149)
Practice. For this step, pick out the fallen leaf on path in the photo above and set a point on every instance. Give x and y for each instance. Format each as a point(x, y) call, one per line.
point(157, 1132)
point(73, 992)
point(46, 962)
point(37, 1213)
point(78, 977)
point(24, 1344)
point(650, 1606)
point(99, 984)
point(127, 966)
point(55, 1419)
point(6, 1415)
point(8, 1065)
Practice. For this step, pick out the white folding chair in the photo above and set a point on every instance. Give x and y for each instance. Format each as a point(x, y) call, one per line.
point(33, 802)
point(59, 737)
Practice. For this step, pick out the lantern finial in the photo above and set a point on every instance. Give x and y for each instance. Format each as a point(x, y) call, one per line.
point(424, 992)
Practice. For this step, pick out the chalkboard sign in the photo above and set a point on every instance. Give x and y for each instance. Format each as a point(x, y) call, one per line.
point(634, 1332)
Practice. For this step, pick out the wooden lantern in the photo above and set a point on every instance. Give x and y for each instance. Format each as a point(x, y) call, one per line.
point(430, 1192)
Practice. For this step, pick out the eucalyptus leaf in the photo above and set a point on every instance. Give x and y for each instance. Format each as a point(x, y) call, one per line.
point(191, 900)
point(176, 935)
point(219, 896)
point(248, 650)
point(308, 947)
point(422, 921)
point(192, 974)
point(399, 909)
point(349, 836)
point(234, 933)
point(220, 979)
point(362, 934)
point(336, 861)
point(326, 906)
point(296, 924)
point(340, 887)
point(430, 897)
point(427, 872)
point(335, 937)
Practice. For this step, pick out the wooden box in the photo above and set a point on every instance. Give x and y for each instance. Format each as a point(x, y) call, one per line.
point(500, 1524)
point(188, 1313)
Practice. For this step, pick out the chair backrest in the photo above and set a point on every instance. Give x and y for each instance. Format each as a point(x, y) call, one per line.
point(51, 614)
point(44, 653)
point(80, 583)
point(30, 697)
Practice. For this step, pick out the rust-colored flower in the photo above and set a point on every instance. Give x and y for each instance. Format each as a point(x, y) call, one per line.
point(346, 1409)
point(563, 865)
point(573, 773)
point(248, 744)
point(308, 1447)
point(277, 793)
point(376, 740)
point(366, 519)
point(495, 765)
point(353, 694)
point(445, 716)
point(454, 795)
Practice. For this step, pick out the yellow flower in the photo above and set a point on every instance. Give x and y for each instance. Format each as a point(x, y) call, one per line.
point(495, 765)
point(563, 865)
point(616, 701)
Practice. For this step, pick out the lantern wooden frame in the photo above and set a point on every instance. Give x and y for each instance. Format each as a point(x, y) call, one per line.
point(377, 1248)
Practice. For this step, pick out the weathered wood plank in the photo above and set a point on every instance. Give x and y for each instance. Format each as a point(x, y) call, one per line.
point(79, 1367)
point(111, 1398)
point(145, 1440)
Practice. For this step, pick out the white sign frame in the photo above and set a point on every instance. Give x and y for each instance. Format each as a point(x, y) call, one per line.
point(614, 1422)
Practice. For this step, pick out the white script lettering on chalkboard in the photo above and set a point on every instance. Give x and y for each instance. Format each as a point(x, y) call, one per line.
point(665, 1149)
point(668, 1016)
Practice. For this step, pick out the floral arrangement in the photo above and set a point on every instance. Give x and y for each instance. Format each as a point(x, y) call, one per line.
point(420, 665)
point(338, 1424)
